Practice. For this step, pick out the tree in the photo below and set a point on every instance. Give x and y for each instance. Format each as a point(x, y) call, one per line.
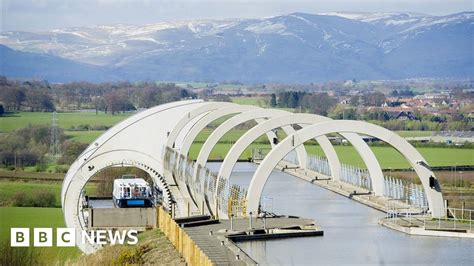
point(293, 100)
point(38, 100)
point(112, 102)
point(273, 101)
point(355, 100)
point(341, 112)
point(374, 99)
point(12, 97)
point(71, 150)
point(319, 103)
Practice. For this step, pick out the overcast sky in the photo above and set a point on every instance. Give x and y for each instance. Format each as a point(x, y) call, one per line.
point(37, 15)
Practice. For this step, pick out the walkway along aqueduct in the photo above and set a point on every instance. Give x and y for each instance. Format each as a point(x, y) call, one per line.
point(158, 140)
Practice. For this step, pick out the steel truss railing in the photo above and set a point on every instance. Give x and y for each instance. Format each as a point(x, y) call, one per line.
point(230, 199)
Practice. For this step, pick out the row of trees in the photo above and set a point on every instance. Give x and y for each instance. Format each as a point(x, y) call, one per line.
point(108, 97)
point(29, 146)
point(15, 98)
point(317, 103)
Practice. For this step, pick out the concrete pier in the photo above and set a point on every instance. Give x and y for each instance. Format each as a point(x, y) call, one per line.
point(217, 241)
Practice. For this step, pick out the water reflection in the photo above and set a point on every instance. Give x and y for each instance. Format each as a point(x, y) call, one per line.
point(352, 234)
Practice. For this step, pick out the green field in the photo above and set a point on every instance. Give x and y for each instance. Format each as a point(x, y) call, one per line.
point(390, 158)
point(65, 120)
point(414, 133)
point(83, 136)
point(387, 156)
point(256, 100)
point(36, 217)
point(8, 189)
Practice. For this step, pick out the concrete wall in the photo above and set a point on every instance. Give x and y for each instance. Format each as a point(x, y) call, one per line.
point(123, 217)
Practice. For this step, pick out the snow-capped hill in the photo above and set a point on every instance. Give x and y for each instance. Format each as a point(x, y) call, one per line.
point(298, 47)
point(375, 17)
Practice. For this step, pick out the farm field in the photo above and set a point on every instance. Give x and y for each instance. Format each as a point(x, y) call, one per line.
point(36, 217)
point(387, 156)
point(65, 120)
point(83, 136)
point(9, 188)
point(390, 158)
point(414, 133)
point(255, 100)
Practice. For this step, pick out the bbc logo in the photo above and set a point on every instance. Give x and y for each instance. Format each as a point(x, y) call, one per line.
point(66, 237)
point(42, 237)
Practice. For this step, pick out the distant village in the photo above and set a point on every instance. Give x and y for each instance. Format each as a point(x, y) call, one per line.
point(438, 104)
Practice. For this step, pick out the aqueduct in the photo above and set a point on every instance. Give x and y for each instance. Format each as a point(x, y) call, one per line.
point(159, 139)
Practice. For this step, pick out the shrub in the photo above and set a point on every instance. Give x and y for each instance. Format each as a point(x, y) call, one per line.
point(40, 167)
point(60, 169)
point(44, 198)
point(20, 199)
point(71, 150)
point(129, 256)
point(38, 198)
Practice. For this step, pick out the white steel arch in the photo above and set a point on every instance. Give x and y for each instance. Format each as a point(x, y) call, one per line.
point(198, 126)
point(139, 138)
point(257, 115)
point(208, 119)
point(232, 122)
point(416, 160)
point(363, 149)
point(188, 118)
point(118, 135)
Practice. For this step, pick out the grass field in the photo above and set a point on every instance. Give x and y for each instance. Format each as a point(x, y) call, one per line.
point(414, 133)
point(387, 156)
point(9, 188)
point(36, 217)
point(390, 158)
point(256, 100)
point(83, 136)
point(65, 120)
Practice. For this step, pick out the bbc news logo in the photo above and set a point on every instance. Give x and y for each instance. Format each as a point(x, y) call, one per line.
point(66, 237)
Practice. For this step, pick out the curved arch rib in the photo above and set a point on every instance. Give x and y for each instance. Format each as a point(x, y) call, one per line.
point(228, 125)
point(194, 131)
point(103, 151)
point(419, 164)
point(185, 120)
point(364, 150)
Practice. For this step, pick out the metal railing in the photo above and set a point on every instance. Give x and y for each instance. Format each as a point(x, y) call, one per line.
point(394, 188)
point(458, 219)
point(318, 164)
point(230, 199)
point(405, 191)
point(356, 176)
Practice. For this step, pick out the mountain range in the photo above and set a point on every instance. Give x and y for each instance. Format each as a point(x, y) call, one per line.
point(294, 48)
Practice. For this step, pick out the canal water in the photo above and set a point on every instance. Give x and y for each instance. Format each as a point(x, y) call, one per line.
point(351, 232)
